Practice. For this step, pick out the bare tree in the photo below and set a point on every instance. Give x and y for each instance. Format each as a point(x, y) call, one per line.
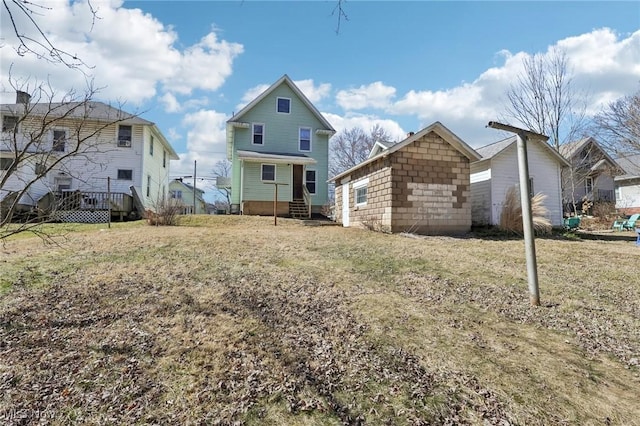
point(40, 136)
point(222, 169)
point(544, 100)
point(32, 39)
point(352, 146)
point(618, 125)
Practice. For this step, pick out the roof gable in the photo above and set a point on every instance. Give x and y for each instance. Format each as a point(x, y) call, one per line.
point(437, 128)
point(571, 149)
point(494, 149)
point(287, 81)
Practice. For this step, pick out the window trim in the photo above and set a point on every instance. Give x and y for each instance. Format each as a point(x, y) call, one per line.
point(357, 186)
point(130, 144)
point(275, 169)
point(53, 139)
point(124, 170)
point(300, 129)
point(315, 180)
point(16, 129)
point(253, 133)
point(278, 105)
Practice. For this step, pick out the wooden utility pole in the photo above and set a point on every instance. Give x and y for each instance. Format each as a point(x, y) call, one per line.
point(522, 136)
point(275, 201)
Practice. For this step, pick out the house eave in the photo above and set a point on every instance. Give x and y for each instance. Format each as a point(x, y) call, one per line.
point(262, 157)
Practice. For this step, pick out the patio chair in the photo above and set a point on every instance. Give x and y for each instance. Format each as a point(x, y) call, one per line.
point(617, 225)
point(632, 222)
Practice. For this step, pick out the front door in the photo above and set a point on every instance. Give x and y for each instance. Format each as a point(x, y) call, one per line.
point(298, 194)
point(345, 204)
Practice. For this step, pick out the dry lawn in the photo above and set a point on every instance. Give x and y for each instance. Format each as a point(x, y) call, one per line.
point(230, 320)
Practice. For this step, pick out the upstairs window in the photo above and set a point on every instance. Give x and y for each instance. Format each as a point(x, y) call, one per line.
point(258, 134)
point(9, 123)
point(177, 194)
point(283, 105)
point(310, 176)
point(588, 185)
point(269, 172)
point(41, 169)
point(124, 136)
point(304, 139)
point(5, 163)
point(59, 139)
point(164, 159)
point(148, 185)
point(125, 174)
point(151, 146)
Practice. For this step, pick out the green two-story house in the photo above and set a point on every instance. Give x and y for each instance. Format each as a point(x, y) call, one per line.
point(279, 144)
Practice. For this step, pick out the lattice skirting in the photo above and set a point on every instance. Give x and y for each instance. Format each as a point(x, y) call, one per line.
point(82, 216)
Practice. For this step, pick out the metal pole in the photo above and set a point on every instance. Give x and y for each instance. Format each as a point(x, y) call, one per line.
point(194, 186)
point(109, 202)
point(527, 219)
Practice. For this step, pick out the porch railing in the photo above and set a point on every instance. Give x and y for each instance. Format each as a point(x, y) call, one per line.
point(91, 200)
point(307, 199)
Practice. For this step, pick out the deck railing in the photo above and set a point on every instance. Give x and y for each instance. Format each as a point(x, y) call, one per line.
point(92, 200)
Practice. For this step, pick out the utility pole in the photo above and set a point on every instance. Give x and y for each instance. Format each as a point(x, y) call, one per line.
point(195, 162)
point(522, 136)
point(109, 202)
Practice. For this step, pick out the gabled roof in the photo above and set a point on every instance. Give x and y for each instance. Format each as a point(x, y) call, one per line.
point(283, 80)
point(489, 151)
point(630, 164)
point(380, 146)
point(570, 149)
point(199, 191)
point(436, 127)
point(94, 110)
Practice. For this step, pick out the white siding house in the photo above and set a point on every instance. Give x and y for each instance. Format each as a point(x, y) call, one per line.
point(497, 171)
point(627, 186)
point(129, 150)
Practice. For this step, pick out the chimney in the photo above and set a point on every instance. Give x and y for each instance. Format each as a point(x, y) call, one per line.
point(410, 134)
point(22, 97)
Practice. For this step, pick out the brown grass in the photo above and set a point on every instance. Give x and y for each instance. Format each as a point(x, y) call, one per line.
point(230, 320)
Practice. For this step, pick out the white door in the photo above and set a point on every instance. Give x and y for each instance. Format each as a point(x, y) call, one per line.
point(345, 204)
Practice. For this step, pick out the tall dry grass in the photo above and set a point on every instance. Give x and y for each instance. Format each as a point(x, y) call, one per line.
point(511, 217)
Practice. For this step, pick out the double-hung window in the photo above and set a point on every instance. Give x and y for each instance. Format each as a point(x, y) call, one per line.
point(5, 163)
point(283, 105)
point(124, 136)
point(304, 139)
point(59, 139)
point(360, 192)
point(257, 134)
point(268, 172)
point(177, 194)
point(310, 181)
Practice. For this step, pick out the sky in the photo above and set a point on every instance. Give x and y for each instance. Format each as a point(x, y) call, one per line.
point(189, 65)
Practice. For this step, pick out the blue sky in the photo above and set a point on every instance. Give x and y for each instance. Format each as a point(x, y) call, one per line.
point(188, 65)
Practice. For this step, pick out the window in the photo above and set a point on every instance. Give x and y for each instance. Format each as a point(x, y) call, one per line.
point(258, 134)
point(59, 139)
point(304, 138)
point(269, 172)
point(124, 136)
point(360, 192)
point(310, 176)
point(151, 146)
point(124, 174)
point(588, 185)
point(531, 191)
point(5, 163)
point(41, 169)
point(148, 185)
point(177, 194)
point(283, 105)
point(9, 123)
point(164, 159)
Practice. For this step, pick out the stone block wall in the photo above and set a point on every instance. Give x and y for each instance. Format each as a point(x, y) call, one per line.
point(430, 188)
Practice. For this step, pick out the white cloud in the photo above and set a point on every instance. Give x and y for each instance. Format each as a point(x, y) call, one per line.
point(170, 102)
point(374, 95)
point(126, 70)
point(251, 94)
point(206, 142)
point(366, 122)
point(312, 92)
